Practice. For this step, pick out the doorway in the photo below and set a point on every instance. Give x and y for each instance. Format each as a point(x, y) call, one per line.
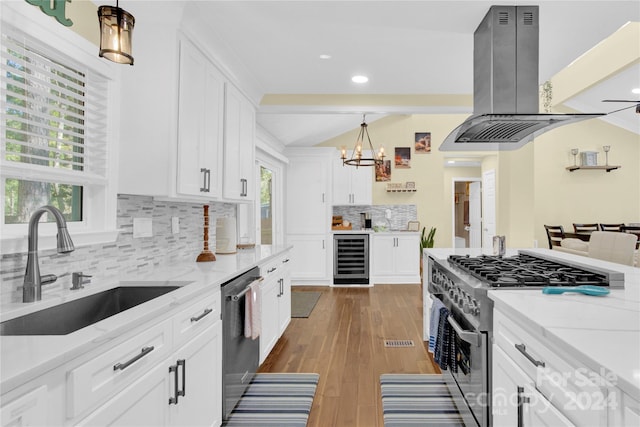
point(467, 217)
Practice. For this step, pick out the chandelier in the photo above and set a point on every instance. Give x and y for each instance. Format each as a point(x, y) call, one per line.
point(358, 158)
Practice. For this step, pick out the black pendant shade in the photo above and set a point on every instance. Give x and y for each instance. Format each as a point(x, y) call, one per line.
point(116, 30)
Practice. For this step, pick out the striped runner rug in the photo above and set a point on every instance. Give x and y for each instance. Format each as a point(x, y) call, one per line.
point(275, 400)
point(417, 400)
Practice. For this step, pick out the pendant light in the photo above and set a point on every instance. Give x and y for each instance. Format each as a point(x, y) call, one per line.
point(116, 30)
point(357, 158)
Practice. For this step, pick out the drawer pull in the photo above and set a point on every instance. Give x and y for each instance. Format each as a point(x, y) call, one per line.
point(271, 270)
point(204, 313)
point(522, 349)
point(183, 363)
point(174, 400)
point(285, 261)
point(123, 366)
point(522, 399)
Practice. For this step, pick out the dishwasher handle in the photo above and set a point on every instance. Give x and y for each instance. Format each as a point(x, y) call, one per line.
point(240, 294)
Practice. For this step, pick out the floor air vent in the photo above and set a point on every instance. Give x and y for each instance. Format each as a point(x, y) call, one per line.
point(398, 343)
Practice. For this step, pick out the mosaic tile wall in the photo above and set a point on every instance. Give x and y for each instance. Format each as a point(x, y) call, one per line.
point(126, 254)
point(400, 214)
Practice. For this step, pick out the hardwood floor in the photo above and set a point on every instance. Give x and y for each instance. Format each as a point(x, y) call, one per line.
point(343, 341)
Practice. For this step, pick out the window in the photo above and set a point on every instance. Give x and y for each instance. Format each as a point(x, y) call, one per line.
point(266, 206)
point(57, 127)
point(51, 117)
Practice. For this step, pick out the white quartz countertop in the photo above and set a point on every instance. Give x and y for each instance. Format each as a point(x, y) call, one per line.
point(23, 358)
point(603, 333)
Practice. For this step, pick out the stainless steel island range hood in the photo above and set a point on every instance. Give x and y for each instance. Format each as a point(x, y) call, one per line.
point(505, 85)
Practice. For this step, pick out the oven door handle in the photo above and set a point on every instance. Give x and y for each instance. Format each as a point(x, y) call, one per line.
point(471, 337)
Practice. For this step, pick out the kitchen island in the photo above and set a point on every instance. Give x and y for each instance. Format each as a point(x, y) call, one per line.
point(49, 373)
point(575, 358)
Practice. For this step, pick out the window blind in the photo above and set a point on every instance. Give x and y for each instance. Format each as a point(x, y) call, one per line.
point(53, 113)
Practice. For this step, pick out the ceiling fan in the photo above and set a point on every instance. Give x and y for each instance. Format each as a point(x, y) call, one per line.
point(625, 108)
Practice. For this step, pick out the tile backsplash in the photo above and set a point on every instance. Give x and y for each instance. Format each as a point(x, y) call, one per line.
point(126, 254)
point(400, 214)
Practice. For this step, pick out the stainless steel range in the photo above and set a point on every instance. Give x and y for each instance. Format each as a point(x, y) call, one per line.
point(462, 282)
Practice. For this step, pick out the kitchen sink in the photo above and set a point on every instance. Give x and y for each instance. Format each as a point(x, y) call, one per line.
point(73, 315)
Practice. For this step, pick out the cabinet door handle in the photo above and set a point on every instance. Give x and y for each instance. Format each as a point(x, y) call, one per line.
point(522, 349)
point(206, 184)
point(174, 400)
point(522, 399)
point(322, 197)
point(183, 364)
point(204, 313)
point(123, 366)
point(243, 192)
point(322, 243)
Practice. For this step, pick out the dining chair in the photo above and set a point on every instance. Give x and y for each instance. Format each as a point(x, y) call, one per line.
point(632, 229)
point(584, 228)
point(555, 234)
point(610, 227)
point(612, 246)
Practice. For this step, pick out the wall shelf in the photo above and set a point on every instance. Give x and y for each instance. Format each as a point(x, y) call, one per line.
point(608, 168)
point(401, 187)
point(401, 190)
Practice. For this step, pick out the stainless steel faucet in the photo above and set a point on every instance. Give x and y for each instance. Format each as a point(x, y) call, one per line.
point(32, 287)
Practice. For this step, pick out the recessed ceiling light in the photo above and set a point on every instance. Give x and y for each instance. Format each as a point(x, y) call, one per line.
point(325, 56)
point(359, 79)
point(636, 91)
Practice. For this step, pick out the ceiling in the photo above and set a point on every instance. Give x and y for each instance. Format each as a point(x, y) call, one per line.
point(404, 47)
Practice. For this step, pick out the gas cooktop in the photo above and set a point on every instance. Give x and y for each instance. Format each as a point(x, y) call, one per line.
point(529, 270)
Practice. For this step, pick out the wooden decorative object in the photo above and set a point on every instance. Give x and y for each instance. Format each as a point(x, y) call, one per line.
point(206, 255)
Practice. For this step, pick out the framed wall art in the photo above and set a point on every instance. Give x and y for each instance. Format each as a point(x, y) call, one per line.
point(403, 158)
point(423, 142)
point(383, 171)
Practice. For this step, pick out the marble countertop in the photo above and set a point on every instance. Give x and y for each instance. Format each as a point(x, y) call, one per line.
point(603, 333)
point(23, 358)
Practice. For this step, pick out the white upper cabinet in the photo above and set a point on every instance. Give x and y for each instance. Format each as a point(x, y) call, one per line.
point(308, 196)
point(200, 127)
point(187, 132)
point(239, 147)
point(351, 185)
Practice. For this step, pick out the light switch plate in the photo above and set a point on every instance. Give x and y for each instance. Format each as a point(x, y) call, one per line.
point(142, 227)
point(175, 225)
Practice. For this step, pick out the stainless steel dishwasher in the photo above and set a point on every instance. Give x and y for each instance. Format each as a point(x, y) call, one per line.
point(240, 355)
point(351, 259)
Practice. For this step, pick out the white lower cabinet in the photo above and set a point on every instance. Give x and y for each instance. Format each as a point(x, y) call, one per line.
point(169, 374)
point(395, 258)
point(183, 390)
point(309, 257)
point(534, 384)
point(516, 402)
point(137, 405)
point(276, 303)
point(30, 409)
point(197, 381)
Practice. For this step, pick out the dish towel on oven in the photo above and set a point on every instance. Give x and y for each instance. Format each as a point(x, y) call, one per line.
point(252, 311)
point(434, 318)
point(446, 346)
